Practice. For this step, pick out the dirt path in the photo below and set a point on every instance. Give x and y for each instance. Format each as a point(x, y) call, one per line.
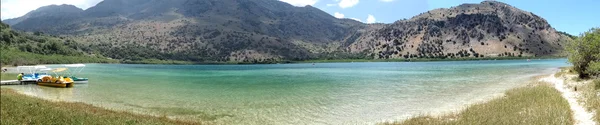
point(581, 116)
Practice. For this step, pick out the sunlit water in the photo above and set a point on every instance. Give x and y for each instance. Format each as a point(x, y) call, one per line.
point(323, 93)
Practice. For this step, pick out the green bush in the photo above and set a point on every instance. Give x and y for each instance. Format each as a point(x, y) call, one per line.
point(584, 53)
point(15, 57)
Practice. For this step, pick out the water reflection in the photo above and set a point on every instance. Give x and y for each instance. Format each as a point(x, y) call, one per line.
point(55, 94)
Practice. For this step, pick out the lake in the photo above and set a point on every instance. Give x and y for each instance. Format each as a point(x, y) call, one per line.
point(321, 93)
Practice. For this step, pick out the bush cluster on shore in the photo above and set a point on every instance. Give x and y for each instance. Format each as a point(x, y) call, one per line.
point(584, 54)
point(16, 58)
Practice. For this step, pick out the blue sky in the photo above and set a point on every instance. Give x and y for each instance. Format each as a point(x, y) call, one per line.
point(571, 16)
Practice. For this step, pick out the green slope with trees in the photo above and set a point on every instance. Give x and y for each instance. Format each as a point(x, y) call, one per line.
point(21, 48)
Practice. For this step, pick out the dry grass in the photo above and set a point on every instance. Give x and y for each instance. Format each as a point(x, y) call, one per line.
point(537, 104)
point(591, 93)
point(21, 109)
point(589, 89)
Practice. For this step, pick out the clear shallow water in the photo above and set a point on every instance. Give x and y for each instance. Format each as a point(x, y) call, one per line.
point(324, 93)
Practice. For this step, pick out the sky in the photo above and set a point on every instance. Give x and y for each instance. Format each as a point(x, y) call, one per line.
point(571, 16)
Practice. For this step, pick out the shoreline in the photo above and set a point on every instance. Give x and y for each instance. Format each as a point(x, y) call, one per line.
point(562, 82)
point(175, 62)
point(353, 60)
point(481, 100)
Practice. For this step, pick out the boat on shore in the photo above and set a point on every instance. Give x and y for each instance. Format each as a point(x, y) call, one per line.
point(33, 73)
point(74, 71)
point(58, 81)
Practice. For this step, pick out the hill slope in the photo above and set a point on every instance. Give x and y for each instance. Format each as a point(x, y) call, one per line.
point(469, 30)
point(216, 30)
point(18, 48)
point(270, 30)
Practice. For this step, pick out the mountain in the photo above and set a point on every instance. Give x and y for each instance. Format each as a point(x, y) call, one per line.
point(270, 30)
point(469, 30)
point(202, 30)
point(50, 14)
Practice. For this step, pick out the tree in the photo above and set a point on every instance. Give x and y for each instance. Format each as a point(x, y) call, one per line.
point(584, 53)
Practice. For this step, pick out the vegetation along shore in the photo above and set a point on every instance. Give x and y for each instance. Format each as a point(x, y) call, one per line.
point(22, 109)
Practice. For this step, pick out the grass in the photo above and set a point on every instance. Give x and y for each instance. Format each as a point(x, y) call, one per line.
point(589, 90)
point(591, 93)
point(538, 104)
point(8, 76)
point(21, 109)
point(597, 84)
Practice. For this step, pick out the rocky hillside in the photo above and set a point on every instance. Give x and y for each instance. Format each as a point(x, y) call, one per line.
point(270, 30)
point(201, 30)
point(488, 29)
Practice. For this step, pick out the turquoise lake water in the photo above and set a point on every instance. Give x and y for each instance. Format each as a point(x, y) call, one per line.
point(323, 93)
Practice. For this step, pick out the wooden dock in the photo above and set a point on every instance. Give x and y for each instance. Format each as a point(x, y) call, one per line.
point(10, 82)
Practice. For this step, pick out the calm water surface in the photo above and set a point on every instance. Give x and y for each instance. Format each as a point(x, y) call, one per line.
point(324, 93)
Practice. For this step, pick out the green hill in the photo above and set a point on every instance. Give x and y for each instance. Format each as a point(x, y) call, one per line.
point(20, 48)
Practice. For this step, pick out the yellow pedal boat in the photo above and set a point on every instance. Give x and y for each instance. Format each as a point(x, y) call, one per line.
point(59, 81)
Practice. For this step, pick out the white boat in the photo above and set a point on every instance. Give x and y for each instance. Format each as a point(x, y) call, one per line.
point(74, 71)
point(33, 73)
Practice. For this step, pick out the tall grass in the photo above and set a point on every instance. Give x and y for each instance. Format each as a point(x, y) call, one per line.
point(18, 109)
point(589, 90)
point(532, 105)
point(591, 93)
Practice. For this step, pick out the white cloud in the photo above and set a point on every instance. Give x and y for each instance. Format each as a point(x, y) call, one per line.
point(386, 0)
point(347, 3)
point(338, 15)
point(17, 8)
point(330, 5)
point(371, 19)
point(300, 3)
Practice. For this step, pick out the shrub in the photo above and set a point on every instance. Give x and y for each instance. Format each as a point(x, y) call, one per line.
point(584, 53)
